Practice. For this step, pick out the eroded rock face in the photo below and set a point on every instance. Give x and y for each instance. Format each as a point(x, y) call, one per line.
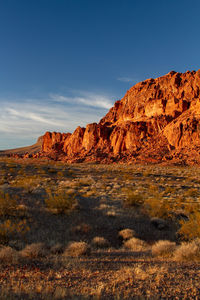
point(54, 141)
point(156, 118)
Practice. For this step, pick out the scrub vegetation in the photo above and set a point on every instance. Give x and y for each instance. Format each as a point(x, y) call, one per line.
point(92, 231)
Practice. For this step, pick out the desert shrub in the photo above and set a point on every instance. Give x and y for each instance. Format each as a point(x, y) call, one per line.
point(100, 242)
point(190, 207)
point(188, 251)
point(163, 248)
point(157, 207)
point(191, 193)
point(135, 244)
point(8, 204)
point(8, 255)
point(61, 202)
point(34, 250)
point(51, 171)
point(111, 213)
point(190, 229)
point(85, 181)
point(61, 174)
point(82, 228)
point(9, 228)
point(133, 199)
point(169, 190)
point(28, 182)
point(57, 248)
point(127, 233)
point(76, 249)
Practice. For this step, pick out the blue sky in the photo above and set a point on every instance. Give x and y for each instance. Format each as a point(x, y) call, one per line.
point(63, 63)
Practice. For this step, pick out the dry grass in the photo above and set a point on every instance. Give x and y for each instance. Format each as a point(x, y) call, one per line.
point(8, 204)
point(163, 248)
point(122, 282)
point(9, 229)
point(9, 255)
point(82, 228)
point(135, 244)
point(57, 248)
point(127, 233)
point(34, 250)
point(76, 249)
point(188, 251)
point(133, 199)
point(61, 202)
point(100, 242)
point(100, 191)
point(190, 229)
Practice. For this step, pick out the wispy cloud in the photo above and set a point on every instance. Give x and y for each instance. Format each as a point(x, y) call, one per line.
point(127, 79)
point(85, 98)
point(27, 119)
point(32, 116)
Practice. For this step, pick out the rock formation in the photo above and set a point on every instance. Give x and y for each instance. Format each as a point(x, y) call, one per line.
point(157, 120)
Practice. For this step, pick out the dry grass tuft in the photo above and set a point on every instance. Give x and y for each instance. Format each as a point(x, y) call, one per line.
point(76, 249)
point(111, 213)
point(61, 202)
point(140, 273)
point(133, 199)
point(8, 204)
point(127, 274)
point(82, 228)
point(57, 248)
point(34, 250)
point(135, 244)
point(188, 251)
point(127, 233)
point(190, 229)
point(9, 255)
point(100, 242)
point(163, 248)
point(152, 272)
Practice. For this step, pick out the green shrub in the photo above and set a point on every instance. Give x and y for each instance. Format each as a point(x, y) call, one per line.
point(61, 202)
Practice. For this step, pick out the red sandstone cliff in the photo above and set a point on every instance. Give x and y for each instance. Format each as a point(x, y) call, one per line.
point(158, 119)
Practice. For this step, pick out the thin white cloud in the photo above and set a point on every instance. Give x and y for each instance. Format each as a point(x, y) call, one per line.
point(85, 98)
point(27, 119)
point(24, 114)
point(126, 79)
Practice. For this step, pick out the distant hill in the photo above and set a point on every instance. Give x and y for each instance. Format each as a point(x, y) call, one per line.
point(23, 150)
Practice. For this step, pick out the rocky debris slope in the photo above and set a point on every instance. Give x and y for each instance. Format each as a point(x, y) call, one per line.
point(156, 120)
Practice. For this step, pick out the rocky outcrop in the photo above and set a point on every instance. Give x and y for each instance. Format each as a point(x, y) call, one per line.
point(157, 119)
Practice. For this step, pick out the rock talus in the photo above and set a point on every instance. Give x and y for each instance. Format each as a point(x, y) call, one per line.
point(156, 120)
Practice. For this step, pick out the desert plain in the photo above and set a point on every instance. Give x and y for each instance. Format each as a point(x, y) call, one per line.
point(95, 231)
